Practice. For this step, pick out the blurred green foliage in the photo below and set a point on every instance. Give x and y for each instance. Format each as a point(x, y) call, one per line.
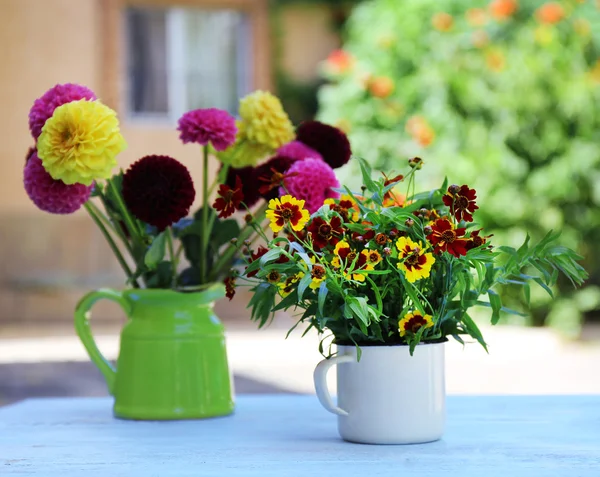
point(503, 96)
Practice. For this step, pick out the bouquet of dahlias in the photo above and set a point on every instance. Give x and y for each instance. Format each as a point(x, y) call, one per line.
point(382, 267)
point(143, 212)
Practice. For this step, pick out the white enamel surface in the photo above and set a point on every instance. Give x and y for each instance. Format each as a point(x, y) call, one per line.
point(388, 397)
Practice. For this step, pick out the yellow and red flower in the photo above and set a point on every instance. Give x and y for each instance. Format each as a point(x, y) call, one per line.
point(373, 257)
point(413, 260)
point(325, 233)
point(446, 238)
point(461, 201)
point(287, 211)
point(229, 199)
point(413, 321)
point(318, 275)
point(345, 206)
point(287, 287)
point(352, 263)
point(229, 287)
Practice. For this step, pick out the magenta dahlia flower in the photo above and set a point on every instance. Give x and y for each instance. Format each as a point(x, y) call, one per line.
point(158, 190)
point(51, 195)
point(330, 142)
point(298, 150)
point(44, 107)
point(208, 125)
point(311, 180)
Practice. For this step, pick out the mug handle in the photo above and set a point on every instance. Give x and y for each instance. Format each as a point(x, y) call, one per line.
point(320, 378)
point(82, 326)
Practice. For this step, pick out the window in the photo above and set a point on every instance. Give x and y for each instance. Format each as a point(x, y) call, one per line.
point(183, 59)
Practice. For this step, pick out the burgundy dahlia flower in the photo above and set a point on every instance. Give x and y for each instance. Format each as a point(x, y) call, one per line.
point(330, 142)
point(158, 190)
point(298, 150)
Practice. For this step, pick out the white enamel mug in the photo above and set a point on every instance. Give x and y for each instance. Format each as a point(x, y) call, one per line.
point(388, 397)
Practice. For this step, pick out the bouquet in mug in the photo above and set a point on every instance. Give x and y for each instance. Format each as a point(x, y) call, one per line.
point(381, 267)
point(143, 212)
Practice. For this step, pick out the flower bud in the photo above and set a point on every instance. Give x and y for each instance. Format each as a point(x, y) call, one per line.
point(393, 233)
point(427, 229)
point(409, 222)
point(387, 251)
point(248, 218)
point(233, 241)
point(247, 243)
point(360, 239)
point(453, 189)
point(415, 162)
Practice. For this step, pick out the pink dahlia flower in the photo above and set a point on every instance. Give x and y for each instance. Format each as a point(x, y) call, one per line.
point(311, 180)
point(44, 107)
point(51, 195)
point(208, 125)
point(298, 150)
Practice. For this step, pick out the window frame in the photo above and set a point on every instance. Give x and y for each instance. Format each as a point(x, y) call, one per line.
point(113, 59)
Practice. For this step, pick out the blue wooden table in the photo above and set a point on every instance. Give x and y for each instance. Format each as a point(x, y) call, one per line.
point(291, 435)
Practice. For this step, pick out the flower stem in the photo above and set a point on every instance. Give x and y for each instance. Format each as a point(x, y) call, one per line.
point(131, 225)
point(112, 245)
point(174, 259)
point(205, 227)
point(114, 224)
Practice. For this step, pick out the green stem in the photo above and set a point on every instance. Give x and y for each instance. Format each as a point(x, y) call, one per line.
point(225, 259)
point(131, 225)
point(112, 245)
point(115, 224)
point(174, 263)
point(205, 231)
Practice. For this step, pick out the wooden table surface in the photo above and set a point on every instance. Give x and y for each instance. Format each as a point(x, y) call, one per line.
point(291, 435)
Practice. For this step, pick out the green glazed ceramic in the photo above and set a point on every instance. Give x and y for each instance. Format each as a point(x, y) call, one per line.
point(172, 361)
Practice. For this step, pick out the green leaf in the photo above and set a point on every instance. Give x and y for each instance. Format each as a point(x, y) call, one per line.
point(496, 304)
point(156, 252)
point(411, 291)
point(303, 285)
point(473, 330)
point(322, 296)
point(224, 231)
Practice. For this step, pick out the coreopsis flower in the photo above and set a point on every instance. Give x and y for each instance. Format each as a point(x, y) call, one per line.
point(249, 184)
point(273, 277)
point(318, 275)
point(550, 13)
point(475, 240)
point(442, 21)
point(330, 142)
point(80, 142)
point(311, 180)
point(287, 212)
point(503, 9)
point(325, 233)
point(43, 108)
point(373, 257)
point(229, 287)
point(287, 287)
point(158, 190)
point(413, 260)
point(298, 150)
point(229, 199)
point(52, 195)
point(446, 238)
point(352, 263)
point(272, 175)
point(382, 239)
point(345, 206)
point(461, 201)
point(413, 321)
point(203, 126)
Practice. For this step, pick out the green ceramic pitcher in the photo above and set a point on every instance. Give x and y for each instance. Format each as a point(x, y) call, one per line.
point(172, 361)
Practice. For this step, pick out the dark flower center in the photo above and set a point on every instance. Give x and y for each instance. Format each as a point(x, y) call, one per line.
point(318, 272)
point(325, 231)
point(228, 197)
point(287, 213)
point(351, 257)
point(462, 203)
point(448, 236)
point(381, 239)
point(413, 258)
point(415, 323)
point(373, 257)
point(477, 241)
point(274, 276)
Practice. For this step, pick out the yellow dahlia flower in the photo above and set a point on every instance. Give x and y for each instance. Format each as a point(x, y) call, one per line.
point(79, 143)
point(264, 127)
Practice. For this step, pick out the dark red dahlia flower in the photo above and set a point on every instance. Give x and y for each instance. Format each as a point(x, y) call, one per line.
point(330, 142)
point(271, 175)
point(325, 233)
point(229, 199)
point(461, 201)
point(158, 190)
point(445, 238)
point(249, 184)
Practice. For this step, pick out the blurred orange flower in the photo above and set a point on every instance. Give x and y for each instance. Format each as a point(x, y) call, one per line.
point(495, 60)
point(476, 17)
point(503, 9)
point(442, 21)
point(480, 38)
point(550, 13)
point(420, 130)
point(343, 125)
point(381, 87)
point(340, 61)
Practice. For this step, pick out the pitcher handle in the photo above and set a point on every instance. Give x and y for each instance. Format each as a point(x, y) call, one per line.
point(82, 326)
point(320, 378)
